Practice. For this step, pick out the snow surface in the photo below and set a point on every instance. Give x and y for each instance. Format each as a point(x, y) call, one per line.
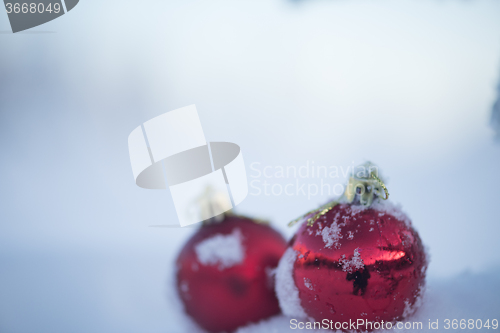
point(465, 296)
point(131, 292)
point(222, 250)
point(287, 292)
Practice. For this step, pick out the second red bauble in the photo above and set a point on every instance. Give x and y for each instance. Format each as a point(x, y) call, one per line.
point(225, 276)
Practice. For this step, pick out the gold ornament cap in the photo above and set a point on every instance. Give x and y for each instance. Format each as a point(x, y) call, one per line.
point(209, 204)
point(216, 201)
point(365, 185)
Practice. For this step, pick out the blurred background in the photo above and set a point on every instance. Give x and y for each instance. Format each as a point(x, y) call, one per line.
point(407, 84)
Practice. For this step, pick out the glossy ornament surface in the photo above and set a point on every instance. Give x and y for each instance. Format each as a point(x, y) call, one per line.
point(358, 262)
point(224, 273)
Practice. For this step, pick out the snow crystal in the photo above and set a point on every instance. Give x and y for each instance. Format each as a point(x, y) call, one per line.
point(354, 264)
point(222, 250)
point(286, 291)
point(308, 284)
point(331, 235)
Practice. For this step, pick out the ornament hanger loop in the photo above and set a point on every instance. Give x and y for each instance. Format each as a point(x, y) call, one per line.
point(315, 214)
point(381, 184)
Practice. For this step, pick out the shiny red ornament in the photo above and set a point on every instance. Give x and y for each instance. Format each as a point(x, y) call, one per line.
point(224, 273)
point(356, 263)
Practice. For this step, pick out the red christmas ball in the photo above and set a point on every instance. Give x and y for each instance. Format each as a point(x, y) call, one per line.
point(224, 273)
point(354, 263)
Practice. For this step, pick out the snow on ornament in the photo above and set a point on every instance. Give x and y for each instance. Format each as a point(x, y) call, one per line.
point(222, 250)
point(225, 272)
point(355, 258)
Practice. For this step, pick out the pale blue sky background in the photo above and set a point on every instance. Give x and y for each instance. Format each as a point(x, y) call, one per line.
point(406, 84)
